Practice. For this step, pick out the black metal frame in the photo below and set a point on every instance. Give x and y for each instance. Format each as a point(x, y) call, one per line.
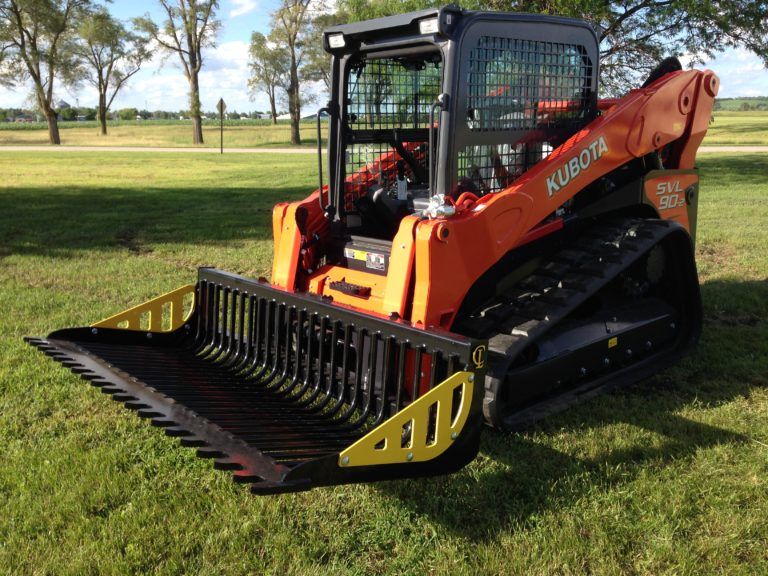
point(274, 385)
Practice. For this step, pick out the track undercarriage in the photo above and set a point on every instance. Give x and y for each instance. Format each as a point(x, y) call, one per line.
point(609, 306)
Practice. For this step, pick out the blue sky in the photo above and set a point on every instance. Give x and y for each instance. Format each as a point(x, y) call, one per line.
point(161, 85)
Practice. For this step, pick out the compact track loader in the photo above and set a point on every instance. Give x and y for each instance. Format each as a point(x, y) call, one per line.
point(493, 243)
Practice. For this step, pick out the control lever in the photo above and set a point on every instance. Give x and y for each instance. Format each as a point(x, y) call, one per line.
point(402, 183)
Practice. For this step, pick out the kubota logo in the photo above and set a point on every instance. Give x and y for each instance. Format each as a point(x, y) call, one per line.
point(576, 165)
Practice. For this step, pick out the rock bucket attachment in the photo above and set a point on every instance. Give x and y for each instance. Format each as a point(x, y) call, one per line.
point(289, 391)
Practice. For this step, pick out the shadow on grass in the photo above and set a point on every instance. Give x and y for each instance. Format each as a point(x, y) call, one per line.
point(519, 476)
point(64, 222)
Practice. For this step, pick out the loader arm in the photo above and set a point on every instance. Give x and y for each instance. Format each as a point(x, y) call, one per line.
point(451, 254)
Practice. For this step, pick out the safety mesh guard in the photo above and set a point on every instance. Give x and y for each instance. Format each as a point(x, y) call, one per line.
point(540, 88)
point(390, 93)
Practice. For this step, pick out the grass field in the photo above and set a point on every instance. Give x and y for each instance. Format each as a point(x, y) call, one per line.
point(667, 477)
point(727, 128)
point(160, 134)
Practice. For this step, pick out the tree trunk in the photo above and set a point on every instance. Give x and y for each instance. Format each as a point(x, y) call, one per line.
point(273, 108)
point(53, 126)
point(294, 104)
point(102, 113)
point(194, 109)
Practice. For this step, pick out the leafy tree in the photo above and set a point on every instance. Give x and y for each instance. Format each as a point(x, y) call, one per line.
point(111, 55)
point(634, 34)
point(68, 114)
point(190, 26)
point(269, 64)
point(291, 28)
point(127, 113)
point(37, 44)
point(318, 61)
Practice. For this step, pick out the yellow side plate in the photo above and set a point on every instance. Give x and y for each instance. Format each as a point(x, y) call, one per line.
point(162, 314)
point(408, 436)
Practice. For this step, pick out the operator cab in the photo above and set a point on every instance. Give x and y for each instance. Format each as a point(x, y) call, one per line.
point(431, 105)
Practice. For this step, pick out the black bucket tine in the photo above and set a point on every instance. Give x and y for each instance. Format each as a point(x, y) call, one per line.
point(433, 368)
point(293, 347)
point(386, 377)
point(270, 378)
point(222, 315)
point(341, 384)
point(212, 306)
point(401, 356)
point(306, 329)
point(317, 381)
point(245, 334)
point(236, 329)
point(416, 391)
point(253, 364)
point(326, 375)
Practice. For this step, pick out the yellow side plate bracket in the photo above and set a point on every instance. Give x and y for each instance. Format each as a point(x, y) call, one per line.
point(419, 432)
point(162, 314)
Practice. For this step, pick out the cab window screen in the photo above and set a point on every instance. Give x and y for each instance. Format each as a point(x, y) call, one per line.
point(518, 84)
point(537, 93)
point(390, 93)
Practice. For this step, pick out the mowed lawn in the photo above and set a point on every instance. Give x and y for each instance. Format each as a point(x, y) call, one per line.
point(669, 476)
point(727, 128)
point(160, 134)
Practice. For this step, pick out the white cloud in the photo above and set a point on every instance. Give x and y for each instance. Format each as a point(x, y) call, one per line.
point(242, 7)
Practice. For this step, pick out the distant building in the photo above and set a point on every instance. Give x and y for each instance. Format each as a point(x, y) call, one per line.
point(63, 105)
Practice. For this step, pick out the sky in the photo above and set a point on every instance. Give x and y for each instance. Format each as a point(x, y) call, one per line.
point(160, 85)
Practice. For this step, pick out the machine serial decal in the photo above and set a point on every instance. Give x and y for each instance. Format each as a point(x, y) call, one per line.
point(576, 165)
point(671, 196)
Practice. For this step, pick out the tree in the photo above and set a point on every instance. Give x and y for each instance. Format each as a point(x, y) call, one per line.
point(190, 26)
point(634, 34)
point(127, 113)
point(290, 28)
point(318, 61)
point(269, 64)
point(37, 44)
point(111, 55)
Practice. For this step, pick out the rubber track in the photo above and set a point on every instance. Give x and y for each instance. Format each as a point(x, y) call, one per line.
point(567, 279)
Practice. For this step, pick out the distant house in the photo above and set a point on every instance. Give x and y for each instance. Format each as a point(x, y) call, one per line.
point(63, 105)
point(314, 116)
point(23, 118)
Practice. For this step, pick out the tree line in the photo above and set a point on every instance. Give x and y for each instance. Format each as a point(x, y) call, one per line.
point(70, 42)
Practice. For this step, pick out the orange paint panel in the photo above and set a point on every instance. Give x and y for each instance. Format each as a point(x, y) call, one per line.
point(320, 283)
point(668, 194)
point(400, 268)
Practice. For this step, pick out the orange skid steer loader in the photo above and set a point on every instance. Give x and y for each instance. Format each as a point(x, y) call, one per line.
point(493, 243)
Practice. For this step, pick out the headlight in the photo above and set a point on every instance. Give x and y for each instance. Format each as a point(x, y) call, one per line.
point(429, 26)
point(336, 40)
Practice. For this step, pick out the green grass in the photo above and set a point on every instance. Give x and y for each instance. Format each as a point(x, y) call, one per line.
point(237, 134)
point(738, 129)
point(727, 128)
point(666, 477)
